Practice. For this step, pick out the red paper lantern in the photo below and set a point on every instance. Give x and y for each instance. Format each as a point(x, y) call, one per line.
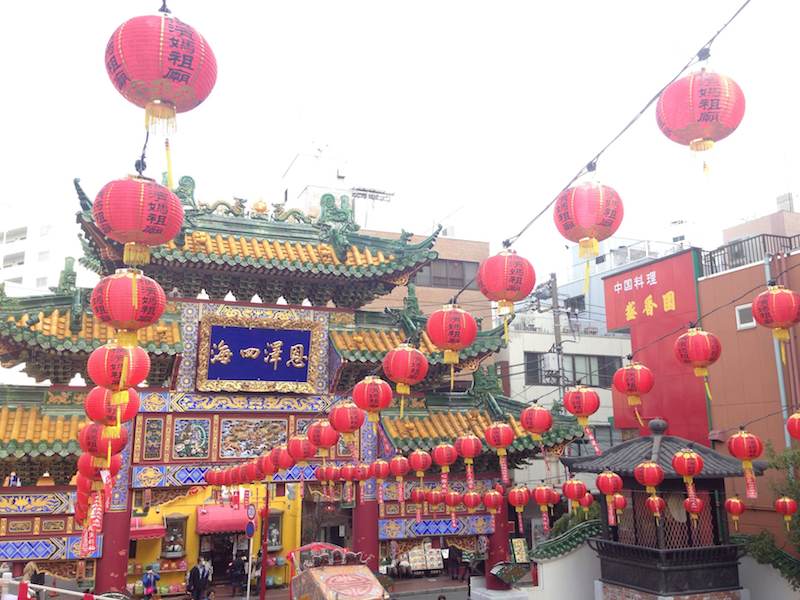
point(633, 380)
point(346, 418)
point(472, 500)
point(506, 278)
point(699, 349)
point(323, 435)
point(649, 474)
point(399, 466)
point(688, 464)
point(211, 477)
point(418, 496)
point(793, 425)
point(282, 458)
point(700, 109)
point(160, 64)
point(451, 329)
point(787, 507)
point(444, 455)
point(118, 368)
point(694, 506)
point(574, 490)
point(620, 503)
point(420, 462)
point(99, 440)
point(90, 466)
point(301, 449)
point(253, 471)
point(518, 497)
point(128, 300)
point(468, 447)
point(746, 447)
point(735, 508)
point(536, 420)
point(361, 474)
point(379, 470)
point(405, 366)
point(555, 497)
point(243, 474)
point(266, 465)
point(581, 402)
point(139, 213)
point(656, 506)
point(493, 501)
point(86, 485)
point(542, 496)
point(609, 483)
point(372, 394)
point(435, 497)
point(499, 436)
point(100, 408)
point(778, 309)
point(586, 501)
point(587, 214)
point(453, 500)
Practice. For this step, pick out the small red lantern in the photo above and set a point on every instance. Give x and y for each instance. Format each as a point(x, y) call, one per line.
point(468, 447)
point(346, 418)
point(399, 468)
point(86, 485)
point(699, 349)
point(536, 420)
point(444, 455)
point(499, 436)
point(586, 502)
point(451, 330)
point(435, 497)
point(793, 425)
point(405, 366)
point(210, 476)
point(418, 498)
point(587, 214)
point(266, 465)
point(581, 402)
point(543, 496)
point(98, 440)
point(282, 458)
point(700, 109)
point(493, 501)
point(372, 394)
point(453, 500)
point(90, 466)
point(620, 503)
point(323, 436)
point(347, 473)
point(506, 278)
point(128, 300)
point(574, 490)
point(99, 407)
point(118, 368)
point(649, 474)
point(420, 462)
point(688, 464)
point(746, 447)
point(694, 506)
point(379, 470)
point(162, 65)
point(361, 474)
point(301, 449)
point(656, 506)
point(778, 309)
point(633, 380)
point(609, 483)
point(518, 497)
point(787, 507)
point(735, 508)
point(472, 500)
point(331, 476)
point(253, 471)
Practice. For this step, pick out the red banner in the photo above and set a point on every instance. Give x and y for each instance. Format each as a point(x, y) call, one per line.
point(653, 301)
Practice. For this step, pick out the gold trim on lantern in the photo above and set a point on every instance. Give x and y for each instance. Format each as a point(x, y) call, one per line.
point(135, 254)
point(127, 338)
point(588, 247)
point(451, 357)
point(701, 145)
point(160, 116)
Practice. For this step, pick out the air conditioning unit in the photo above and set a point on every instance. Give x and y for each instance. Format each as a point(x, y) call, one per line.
point(549, 362)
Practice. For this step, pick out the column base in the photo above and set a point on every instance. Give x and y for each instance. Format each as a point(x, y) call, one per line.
point(478, 591)
point(608, 591)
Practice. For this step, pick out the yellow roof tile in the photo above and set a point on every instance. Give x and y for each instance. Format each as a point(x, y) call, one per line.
point(376, 340)
point(27, 424)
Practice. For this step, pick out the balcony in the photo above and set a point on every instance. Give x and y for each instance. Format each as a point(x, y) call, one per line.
point(747, 252)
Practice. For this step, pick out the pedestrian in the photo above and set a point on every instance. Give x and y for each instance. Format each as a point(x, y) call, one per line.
point(236, 572)
point(149, 581)
point(198, 580)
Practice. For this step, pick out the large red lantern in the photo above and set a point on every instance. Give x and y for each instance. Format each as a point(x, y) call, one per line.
point(380, 471)
point(518, 497)
point(778, 309)
point(405, 366)
point(100, 441)
point(453, 499)
point(793, 425)
point(688, 464)
point(700, 109)
point(746, 447)
point(139, 213)
point(656, 506)
point(574, 490)
point(444, 455)
point(346, 418)
point(694, 506)
point(128, 300)
point(301, 449)
point(468, 447)
point(472, 500)
point(699, 349)
point(100, 408)
point(787, 507)
point(399, 466)
point(609, 483)
point(323, 436)
point(499, 436)
point(451, 330)
point(118, 368)
point(282, 458)
point(735, 508)
point(583, 403)
point(542, 496)
point(536, 420)
point(162, 65)
point(372, 394)
point(649, 474)
point(506, 278)
point(587, 214)
point(633, 380)
point(90, 466)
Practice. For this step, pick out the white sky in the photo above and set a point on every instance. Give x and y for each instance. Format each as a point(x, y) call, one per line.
point(481, 109)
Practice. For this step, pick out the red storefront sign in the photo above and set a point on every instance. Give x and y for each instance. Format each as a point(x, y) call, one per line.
point(653, 301)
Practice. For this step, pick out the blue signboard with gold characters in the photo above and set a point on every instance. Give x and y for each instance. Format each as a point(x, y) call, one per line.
point(258, 355)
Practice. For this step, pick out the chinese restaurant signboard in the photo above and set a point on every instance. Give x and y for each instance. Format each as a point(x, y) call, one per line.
point(281, 355)
point(653, 301)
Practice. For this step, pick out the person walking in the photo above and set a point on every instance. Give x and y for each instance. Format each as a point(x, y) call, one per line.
point(149, 581)
point(198, 580)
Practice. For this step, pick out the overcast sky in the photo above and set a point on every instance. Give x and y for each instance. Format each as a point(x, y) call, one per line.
point(477, 110)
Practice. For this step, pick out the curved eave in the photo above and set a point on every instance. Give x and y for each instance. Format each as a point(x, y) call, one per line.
point(17, 449)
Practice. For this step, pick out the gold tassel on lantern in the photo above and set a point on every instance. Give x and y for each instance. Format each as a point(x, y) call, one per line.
point(169, 163)
point(451, 358)
point(588, 247)
point(403, 390)
point(159, 116)
point(136, 254)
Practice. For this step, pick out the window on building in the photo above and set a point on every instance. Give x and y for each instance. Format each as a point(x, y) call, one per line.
point(44, 255)
point(12, 260)
point(533, 368)
point(596, 371)
point(744, 317)
point(41, 282)
point(448, 274)
point(15, 235)
point(14, 280)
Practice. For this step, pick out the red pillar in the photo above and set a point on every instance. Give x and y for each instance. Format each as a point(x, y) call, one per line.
point(497, 550)
point(365, 530)
point(112, 566)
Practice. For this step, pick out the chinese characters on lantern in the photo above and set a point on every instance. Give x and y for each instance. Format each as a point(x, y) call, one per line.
point(181, 49)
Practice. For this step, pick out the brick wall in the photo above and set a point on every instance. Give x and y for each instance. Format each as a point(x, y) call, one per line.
point(614, 592)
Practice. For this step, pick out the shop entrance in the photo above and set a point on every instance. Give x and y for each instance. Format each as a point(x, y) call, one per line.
point(218, 548)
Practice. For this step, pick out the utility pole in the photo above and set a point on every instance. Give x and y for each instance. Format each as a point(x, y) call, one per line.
point(557, 333)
